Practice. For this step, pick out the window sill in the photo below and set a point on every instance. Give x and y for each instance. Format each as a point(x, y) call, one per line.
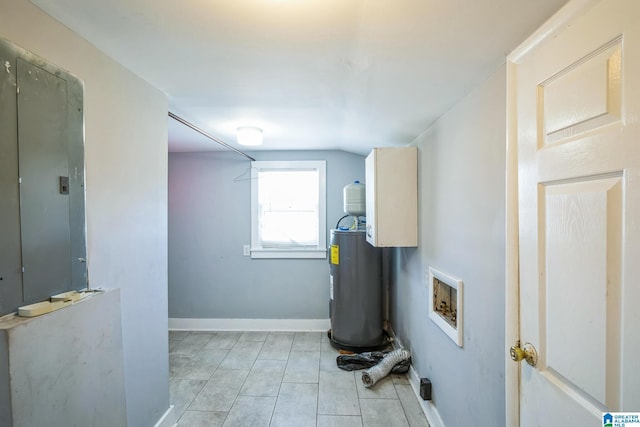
point(288, 253)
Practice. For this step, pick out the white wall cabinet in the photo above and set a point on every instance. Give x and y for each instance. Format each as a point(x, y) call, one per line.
point(392, 197)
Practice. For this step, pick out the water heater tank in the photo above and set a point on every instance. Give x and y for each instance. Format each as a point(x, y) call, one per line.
point(354, 199)
point(355, 291)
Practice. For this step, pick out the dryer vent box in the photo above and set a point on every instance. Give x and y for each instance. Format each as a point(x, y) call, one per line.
point(445, 303)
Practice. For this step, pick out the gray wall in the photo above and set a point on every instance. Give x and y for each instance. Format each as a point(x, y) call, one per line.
point(126, 170)
point(210, 221)
point(66, 375)
point(461, 205)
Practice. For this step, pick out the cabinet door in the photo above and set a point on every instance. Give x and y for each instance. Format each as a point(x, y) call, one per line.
point(371, 200)
point(10, 257)
point(392, 197)
point(43, 162)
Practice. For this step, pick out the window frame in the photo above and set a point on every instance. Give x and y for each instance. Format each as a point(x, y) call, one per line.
point(319, 251)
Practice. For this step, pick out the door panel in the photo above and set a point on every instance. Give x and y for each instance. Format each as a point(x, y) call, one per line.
point(578, 96)
point(43, 159)
point(580, 312)
point(583, 96)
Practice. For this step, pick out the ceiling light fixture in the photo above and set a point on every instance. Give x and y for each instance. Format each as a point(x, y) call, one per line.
point(249, 135)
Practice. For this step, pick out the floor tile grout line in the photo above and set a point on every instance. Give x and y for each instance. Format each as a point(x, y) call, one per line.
point(402, 405)
point(190, 357)
point(322, 351)
point(275, 404)
point(186, 408)
point(318, 394)
point(245, 379)
point(358, 395)
point(203, 387)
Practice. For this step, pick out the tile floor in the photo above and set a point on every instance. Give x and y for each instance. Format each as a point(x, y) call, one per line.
point(278, 379)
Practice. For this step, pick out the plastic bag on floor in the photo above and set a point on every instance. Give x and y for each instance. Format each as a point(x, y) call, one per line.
point(354, 362)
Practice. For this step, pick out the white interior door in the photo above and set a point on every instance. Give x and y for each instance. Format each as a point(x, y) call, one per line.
point(578, 114)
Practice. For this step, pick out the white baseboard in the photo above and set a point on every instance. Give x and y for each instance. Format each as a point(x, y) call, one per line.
point(168, 419)
point(176, 324)
point(429, 409)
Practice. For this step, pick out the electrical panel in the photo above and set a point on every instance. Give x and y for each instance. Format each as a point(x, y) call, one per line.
point(42, 207)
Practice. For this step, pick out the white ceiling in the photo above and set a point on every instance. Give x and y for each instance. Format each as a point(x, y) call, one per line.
point(313, 74)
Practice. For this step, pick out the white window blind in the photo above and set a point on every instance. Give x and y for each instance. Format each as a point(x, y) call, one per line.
point(288, 209)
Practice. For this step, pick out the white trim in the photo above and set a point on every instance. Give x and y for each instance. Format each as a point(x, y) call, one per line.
point(551, 27)
point(288, 253)
point(176, 324)
point(512, 304)
point(168, 419)
point(428, 408)
point(319, 251)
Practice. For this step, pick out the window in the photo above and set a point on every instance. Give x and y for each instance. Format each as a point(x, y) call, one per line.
point(288, 215)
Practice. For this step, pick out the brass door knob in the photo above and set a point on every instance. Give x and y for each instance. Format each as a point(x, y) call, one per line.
point(527, 352)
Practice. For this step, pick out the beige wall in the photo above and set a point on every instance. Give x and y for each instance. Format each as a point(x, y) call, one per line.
point(126, 169)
